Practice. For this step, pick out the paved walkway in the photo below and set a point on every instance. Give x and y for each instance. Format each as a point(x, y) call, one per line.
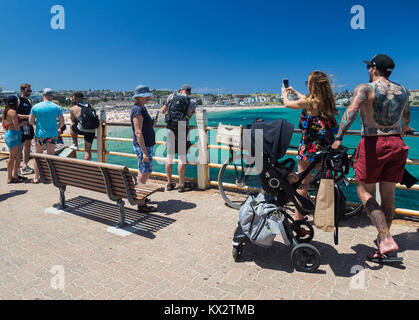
point(181, 252)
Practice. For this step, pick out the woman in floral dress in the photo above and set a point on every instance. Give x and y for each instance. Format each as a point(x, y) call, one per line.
point(317, 122)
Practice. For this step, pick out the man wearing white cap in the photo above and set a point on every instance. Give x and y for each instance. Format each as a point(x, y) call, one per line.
point(44, 115)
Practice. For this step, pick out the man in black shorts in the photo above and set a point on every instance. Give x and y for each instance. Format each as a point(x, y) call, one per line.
point(24, 111)
point(179, 108)
point(77, 129)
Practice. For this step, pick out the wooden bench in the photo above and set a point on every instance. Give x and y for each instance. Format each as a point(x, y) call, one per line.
point(113, 180)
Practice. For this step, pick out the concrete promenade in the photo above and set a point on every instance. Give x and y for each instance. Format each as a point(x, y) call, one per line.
point(183, 251)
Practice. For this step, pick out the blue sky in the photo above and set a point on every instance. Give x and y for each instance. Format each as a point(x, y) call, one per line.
point(237, 46)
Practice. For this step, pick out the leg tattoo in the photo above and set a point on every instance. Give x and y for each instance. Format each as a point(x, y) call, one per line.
point(389, 213)
point(376, 214)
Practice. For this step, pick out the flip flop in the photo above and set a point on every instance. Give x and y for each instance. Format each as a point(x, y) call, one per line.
point(377, 257)
point(15, 180)
point(171, 186)
point(146, 209)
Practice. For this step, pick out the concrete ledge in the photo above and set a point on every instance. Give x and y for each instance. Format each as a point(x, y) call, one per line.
point(122, 232)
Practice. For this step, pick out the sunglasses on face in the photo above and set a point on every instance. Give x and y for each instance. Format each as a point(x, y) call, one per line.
point(306, 83)
point(369, 66)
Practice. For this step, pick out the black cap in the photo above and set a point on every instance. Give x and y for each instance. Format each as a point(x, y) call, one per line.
point(186, 87)
point(11, 101)
point(382, 62)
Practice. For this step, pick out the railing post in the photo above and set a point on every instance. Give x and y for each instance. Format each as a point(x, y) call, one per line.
point(202, 167)
point(101, 135)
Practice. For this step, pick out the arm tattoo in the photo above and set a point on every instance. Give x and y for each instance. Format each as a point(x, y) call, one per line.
point(360, 96)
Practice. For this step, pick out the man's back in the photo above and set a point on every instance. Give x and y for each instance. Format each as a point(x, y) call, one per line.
point(382, 111)
point(46, 119)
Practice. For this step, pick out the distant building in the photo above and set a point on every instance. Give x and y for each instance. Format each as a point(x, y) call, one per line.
point(413, 96)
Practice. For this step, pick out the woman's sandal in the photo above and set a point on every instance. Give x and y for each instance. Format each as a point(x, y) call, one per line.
point(146, 209)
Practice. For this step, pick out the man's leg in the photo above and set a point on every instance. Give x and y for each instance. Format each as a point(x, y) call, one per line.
point(38, 149)
point(386, 242)
point(26, 148)
point(181, 171)
point(74, 136)
point(169, 168)
point(388, 191)
point(88, 150)
point(50, 148)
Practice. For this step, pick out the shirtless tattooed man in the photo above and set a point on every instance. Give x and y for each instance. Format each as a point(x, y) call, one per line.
point(381, 154)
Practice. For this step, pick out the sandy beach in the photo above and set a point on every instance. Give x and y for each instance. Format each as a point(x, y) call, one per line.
point(123, 114)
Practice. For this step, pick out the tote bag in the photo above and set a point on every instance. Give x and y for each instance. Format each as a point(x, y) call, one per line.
point(324, 214)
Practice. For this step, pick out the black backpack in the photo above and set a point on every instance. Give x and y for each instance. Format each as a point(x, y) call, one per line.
point(178, 110)
point(88, 117)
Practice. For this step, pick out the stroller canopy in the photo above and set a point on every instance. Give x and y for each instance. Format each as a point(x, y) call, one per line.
point(276, 137)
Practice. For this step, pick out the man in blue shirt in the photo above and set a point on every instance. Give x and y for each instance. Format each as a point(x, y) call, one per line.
point(44, 116)
point(144, 138)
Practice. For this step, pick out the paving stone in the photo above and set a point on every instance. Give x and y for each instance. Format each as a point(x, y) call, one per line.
point(187, 255)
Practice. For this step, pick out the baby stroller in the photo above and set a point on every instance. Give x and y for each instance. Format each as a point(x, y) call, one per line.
point(261, 215)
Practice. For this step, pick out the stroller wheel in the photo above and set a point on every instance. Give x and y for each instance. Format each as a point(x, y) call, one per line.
point(303, 231)
point(237, 252)
point(305, 258)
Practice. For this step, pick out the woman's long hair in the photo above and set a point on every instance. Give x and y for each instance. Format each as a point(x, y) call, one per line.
point(7, 107)
point(321, 93)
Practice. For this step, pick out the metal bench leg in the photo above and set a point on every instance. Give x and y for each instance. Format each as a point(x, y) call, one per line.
point(62, 198)
point(121, 222)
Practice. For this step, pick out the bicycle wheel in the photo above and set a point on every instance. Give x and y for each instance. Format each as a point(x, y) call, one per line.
point(235, 187)
point(352, 207)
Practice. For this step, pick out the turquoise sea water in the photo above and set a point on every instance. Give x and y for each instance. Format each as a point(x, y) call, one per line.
point(404, 198)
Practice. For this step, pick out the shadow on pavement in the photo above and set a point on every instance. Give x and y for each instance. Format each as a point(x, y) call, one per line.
point(13, 193)
point(107, 213)
point(174, 206)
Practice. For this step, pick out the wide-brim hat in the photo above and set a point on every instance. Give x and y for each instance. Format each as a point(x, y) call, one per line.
point(142, 91)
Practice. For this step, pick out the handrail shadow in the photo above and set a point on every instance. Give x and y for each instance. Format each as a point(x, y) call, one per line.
point(107, 213)
point(13, 193)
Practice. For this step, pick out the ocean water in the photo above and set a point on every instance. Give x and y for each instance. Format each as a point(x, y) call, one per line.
point(404, 198)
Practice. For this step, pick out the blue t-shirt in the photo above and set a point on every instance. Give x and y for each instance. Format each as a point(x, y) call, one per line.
point(148, 130)
point(46, 114)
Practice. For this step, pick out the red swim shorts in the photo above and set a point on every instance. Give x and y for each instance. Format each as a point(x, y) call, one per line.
point(380, 158)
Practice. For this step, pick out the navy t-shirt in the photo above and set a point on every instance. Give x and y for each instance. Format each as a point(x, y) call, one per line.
point(148, 131)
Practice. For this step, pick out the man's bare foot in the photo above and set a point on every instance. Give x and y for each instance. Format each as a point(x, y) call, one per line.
point(388, 245)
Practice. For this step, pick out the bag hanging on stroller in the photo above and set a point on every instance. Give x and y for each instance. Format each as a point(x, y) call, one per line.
point(259, 222)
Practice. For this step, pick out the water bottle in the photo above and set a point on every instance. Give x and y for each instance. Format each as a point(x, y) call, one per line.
point(26, 131)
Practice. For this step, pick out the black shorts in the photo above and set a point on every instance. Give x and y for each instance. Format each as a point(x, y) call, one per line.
point(30, 136)
point(88, 136)
point(184, 142)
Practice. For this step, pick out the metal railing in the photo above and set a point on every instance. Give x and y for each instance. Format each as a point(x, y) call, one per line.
point(203, 165)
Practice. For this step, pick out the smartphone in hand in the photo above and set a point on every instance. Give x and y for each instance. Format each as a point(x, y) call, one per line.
point(285, 82)
point(156, 117)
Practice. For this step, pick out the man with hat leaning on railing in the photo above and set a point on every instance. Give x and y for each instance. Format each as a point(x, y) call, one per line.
point(143, 139)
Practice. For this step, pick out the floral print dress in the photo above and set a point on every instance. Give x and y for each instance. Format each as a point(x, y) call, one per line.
point(317, 132)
